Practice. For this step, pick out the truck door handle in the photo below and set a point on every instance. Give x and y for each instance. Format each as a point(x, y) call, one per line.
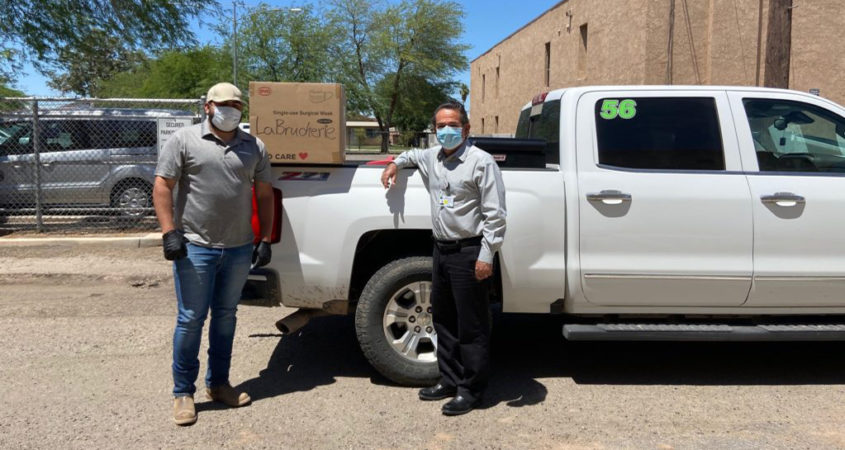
point(609, 197)
point(785, 199)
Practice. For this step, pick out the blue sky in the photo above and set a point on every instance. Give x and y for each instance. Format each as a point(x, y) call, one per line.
point(486, 22)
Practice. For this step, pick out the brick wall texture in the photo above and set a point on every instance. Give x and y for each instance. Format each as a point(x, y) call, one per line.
point(714, 42)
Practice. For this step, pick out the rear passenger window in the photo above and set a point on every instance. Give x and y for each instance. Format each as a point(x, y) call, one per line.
point(673, 133)
point(61, 135)
point(122, 133)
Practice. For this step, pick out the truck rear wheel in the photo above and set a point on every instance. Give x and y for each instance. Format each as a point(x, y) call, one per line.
point(394, 324)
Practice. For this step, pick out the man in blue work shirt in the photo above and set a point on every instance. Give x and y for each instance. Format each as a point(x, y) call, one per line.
point(468, 223)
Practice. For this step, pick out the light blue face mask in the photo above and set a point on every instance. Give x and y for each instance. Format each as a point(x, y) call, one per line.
point(450, 137)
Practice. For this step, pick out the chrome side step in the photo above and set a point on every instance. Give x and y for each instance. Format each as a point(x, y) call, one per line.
point(703, 332)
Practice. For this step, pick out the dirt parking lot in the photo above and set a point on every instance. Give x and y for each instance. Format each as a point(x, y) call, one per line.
point(85, 363)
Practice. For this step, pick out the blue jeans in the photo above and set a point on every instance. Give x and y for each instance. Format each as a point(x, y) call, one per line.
point(208, 278)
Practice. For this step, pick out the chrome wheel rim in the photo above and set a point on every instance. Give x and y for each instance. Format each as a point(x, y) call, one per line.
point(408, 325)
point(133, 200)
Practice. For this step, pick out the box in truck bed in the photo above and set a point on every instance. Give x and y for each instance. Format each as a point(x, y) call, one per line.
point(299, 122)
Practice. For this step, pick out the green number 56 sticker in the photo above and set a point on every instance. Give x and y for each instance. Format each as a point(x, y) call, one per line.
point(625, 109)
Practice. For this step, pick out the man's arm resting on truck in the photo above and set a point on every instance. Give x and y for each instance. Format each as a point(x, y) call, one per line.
point(410, 158)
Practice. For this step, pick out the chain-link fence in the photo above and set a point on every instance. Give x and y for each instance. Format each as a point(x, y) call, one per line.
point(70, 164)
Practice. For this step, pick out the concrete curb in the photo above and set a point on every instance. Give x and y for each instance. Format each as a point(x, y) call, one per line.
point(149, 240)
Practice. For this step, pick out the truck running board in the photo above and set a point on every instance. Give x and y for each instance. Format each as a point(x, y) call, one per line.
point(713, 332)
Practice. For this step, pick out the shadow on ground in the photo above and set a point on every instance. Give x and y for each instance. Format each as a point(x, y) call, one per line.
point(530, 347)
point(314, 356)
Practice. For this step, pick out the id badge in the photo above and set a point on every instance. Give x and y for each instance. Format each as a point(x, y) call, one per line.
point(447, 201)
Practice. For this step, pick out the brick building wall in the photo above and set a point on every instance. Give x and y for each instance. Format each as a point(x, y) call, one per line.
point(594, 42)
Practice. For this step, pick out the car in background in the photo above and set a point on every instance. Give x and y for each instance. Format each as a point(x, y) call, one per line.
point(97, 159)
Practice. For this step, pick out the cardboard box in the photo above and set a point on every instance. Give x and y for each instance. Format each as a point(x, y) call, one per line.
point(301, 123)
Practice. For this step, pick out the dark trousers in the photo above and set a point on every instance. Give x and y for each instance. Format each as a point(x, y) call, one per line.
point(461, 318)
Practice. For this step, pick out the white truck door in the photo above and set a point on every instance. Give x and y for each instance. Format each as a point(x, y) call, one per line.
point(665, 211)
point(794, 147)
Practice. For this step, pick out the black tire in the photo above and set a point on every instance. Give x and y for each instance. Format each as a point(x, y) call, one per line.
point(385, 286)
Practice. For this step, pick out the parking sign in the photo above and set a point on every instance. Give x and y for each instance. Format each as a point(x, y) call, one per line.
point(168, 126)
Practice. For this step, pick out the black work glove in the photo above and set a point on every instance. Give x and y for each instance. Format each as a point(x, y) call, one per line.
point(174, 245)
point(261, 255)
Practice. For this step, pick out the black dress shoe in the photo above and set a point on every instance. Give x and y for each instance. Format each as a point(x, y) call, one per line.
point(460, 405)
point(437, 392)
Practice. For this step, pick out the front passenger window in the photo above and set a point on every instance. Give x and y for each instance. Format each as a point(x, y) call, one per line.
point(795, 137)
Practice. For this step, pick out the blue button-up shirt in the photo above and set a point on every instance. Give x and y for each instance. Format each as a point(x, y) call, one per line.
point(467, 194)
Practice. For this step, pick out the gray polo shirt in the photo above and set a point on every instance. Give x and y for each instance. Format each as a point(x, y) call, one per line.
point(212, 201)
point(467, 194)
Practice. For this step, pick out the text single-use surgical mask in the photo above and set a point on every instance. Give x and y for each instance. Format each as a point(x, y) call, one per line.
point(226, 118)
point(450, 137)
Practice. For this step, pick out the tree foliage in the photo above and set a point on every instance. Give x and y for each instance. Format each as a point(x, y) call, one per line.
point(174, 74)
point(418, 100)
point(413, 38)
point(47, 32)
point(11, 105)
point(6, 91)
point(276, 44)
point(396, 59)
point(86, 69)
point(464, 93)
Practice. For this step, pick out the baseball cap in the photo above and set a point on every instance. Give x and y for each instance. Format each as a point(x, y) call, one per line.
point(223, 92)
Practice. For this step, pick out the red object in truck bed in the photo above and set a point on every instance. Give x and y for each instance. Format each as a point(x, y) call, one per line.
point(276, 234)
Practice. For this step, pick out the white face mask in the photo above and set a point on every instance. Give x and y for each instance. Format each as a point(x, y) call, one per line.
point(226, 118)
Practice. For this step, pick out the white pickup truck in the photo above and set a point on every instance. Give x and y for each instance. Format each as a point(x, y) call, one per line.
point(634, 212)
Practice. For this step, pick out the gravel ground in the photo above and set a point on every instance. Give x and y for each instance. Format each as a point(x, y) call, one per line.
point(86, 339)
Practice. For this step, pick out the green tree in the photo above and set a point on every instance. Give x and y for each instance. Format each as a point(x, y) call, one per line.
point(6, 91)
point(85, 69)
point(126, 84)
point(45, 31)
point(464, 93)
point(186, 74)
point(10, 105)
point(412, 38)
point(284, 45)
point(174, 74)
point(420, 97)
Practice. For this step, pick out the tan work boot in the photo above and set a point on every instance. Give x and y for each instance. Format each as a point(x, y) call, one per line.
point(184, 412)
point(228, 395)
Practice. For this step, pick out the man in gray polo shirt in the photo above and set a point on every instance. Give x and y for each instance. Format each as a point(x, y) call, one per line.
point(203, 200)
